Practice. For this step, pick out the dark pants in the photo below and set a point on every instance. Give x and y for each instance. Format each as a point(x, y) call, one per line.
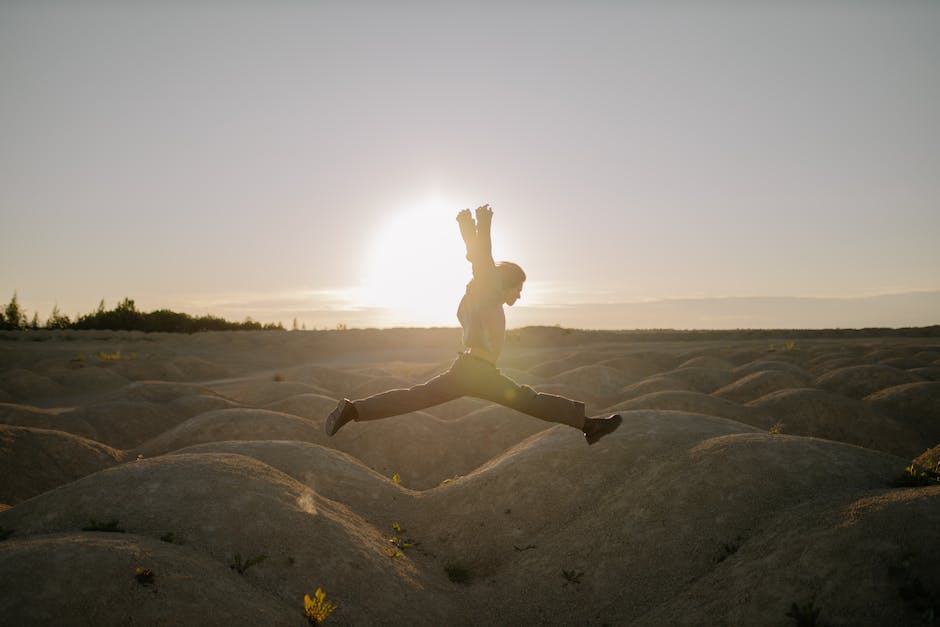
point(472, 376)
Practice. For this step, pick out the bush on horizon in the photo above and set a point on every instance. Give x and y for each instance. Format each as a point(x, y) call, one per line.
point(126, 317)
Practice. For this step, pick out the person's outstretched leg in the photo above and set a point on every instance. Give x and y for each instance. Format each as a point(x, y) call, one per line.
point(440, 389)
point(484, 380)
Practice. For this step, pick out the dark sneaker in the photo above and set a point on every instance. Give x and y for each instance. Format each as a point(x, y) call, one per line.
point(596, 428)
point(344, 412)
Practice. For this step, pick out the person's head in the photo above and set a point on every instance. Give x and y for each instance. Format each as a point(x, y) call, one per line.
point(512, 277)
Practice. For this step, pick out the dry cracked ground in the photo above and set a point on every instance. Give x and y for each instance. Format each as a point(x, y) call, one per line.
point(752, 482)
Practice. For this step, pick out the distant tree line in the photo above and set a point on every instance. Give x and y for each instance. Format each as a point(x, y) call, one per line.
point(126, 317)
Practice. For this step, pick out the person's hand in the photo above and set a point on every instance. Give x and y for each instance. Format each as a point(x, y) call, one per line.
point(484, 213)
point(464, 215)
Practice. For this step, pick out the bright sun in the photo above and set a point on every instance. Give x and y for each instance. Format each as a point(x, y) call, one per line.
point(415, 266)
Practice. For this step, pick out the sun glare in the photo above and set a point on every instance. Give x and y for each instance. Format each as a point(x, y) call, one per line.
point(415, 266)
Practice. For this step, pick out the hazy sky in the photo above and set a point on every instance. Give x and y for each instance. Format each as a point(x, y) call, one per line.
point(306, 159)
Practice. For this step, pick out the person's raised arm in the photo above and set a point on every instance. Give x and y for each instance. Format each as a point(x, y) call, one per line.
point(484, 252)
point(468, 230)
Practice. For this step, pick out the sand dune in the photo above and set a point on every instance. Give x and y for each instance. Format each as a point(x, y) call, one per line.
point(599, 382)
point(258, 392)
point(656, 383)
point(125, 424)
point(62, 419)
point(21, 384)
point(233, 424)
point(33, 461)
point(760, 383)
point(916, 405)
point(309, 406)
point(710, 505)
point(88, 379)
point(823, 414)
point(259, 500)
point(860, 381)
point(694, 402)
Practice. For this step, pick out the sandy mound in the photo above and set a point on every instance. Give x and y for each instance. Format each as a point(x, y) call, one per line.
point(676, 518)
point(599, 382)
point(760, 383)
point(125, 424)
point(233, 424)
point(309, 406)
point(708, 362)
point(336, 382)
point(831, 363)
point(106, 592)
point(418, 447)
point(637, 366)
point(226, 504)
point(56, 419)
point(568, 362)
point(88, 379)
point(195, 404)
point(148, 369)
point(859, 563)
point(916, 405)
point(33, 461)
point(197, 369)
point(158, 391)
point(488, 432)
point(264, 392)
point(24, 385)
point(694, 402)
point(698, 379)
point(761, 365)
point(331, 473)
point(927, 373)
point(658, 383)
point(626, 491)
point(860, 381)
point(825, 415)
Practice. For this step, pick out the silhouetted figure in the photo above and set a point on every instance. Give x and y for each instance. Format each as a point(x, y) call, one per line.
point(474, 373)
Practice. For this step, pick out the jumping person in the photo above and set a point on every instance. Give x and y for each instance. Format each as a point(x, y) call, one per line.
point(474, 373)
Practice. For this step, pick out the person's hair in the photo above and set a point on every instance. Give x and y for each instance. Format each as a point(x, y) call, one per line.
point(510, 274)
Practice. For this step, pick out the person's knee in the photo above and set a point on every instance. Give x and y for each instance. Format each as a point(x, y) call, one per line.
point(521, 394)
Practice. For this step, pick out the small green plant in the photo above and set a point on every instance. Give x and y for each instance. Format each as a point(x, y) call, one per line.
point(240, 566)
point(396, 478)
point(914, 476)
point(144, 576)
point(777, 429)
point(449, 481)
point(572, 576)
point(111, 526)
point(805, 615)
point(5, 533)
point(399, 542)
point(318, 608)
point(457, 574)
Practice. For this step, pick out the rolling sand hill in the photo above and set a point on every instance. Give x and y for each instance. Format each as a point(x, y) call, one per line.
point(748, 484)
